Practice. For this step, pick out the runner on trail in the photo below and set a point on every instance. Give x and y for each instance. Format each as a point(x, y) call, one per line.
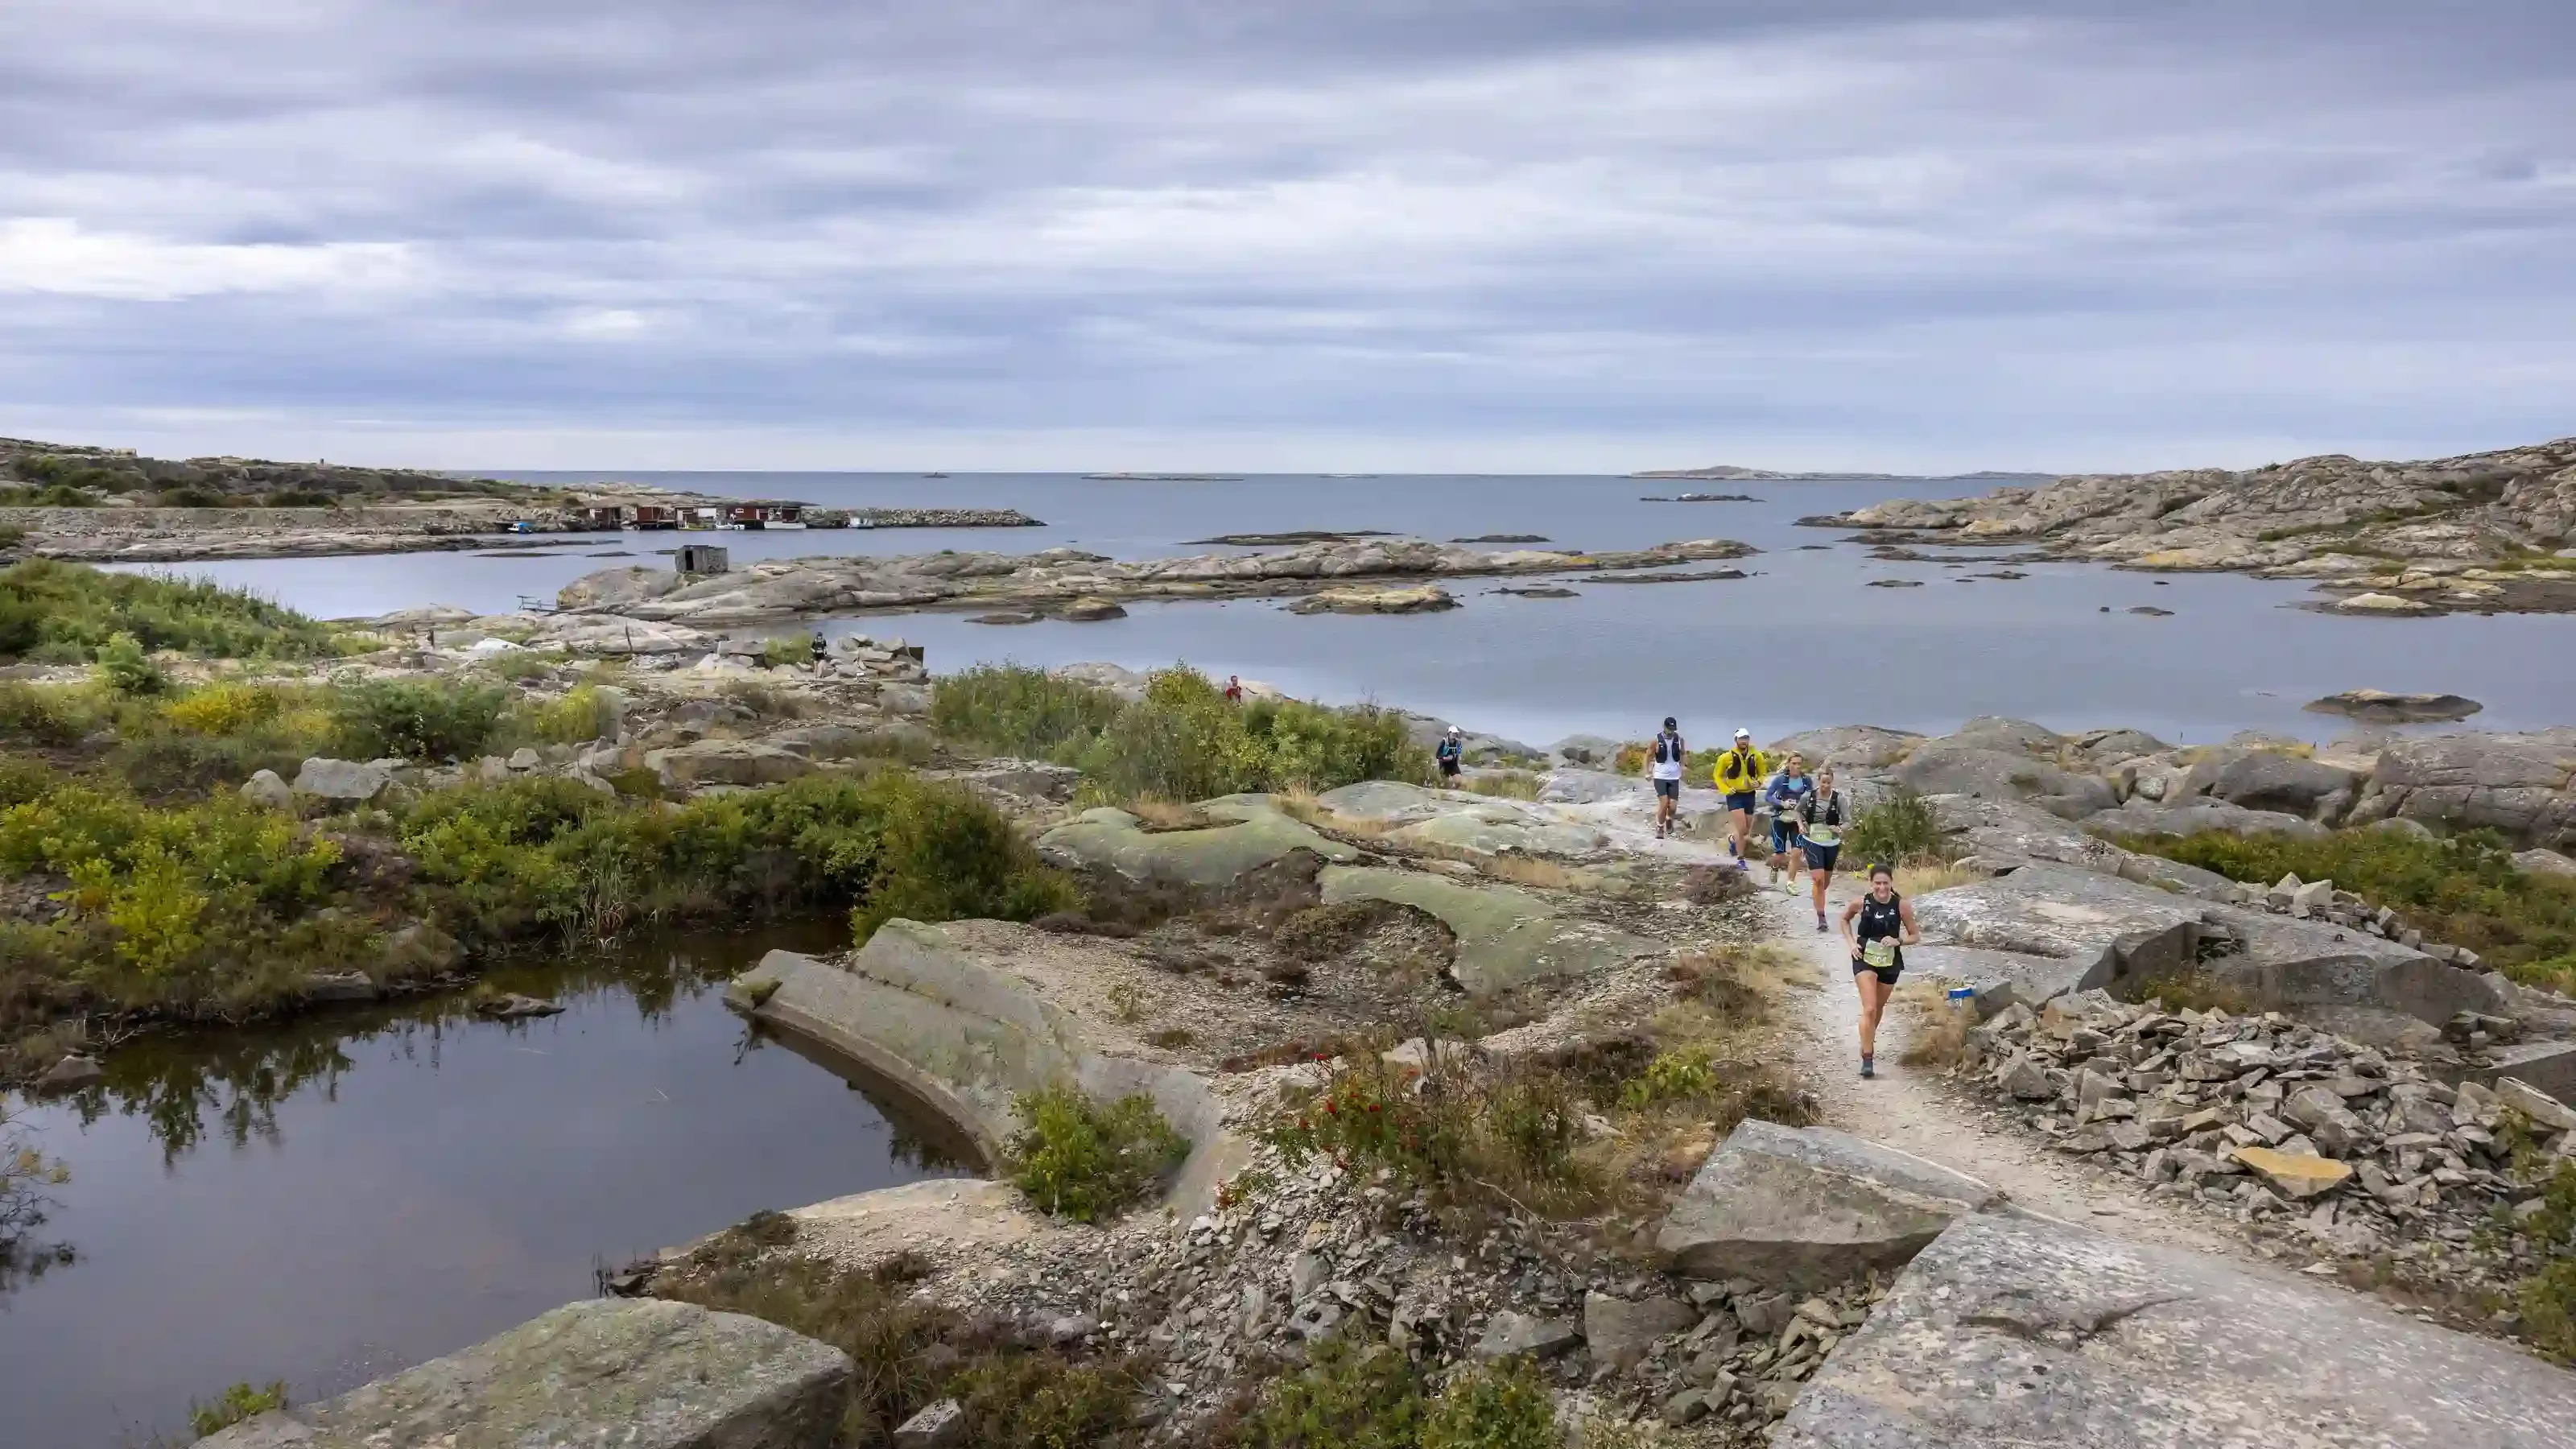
point(1234, 689)
point(1449, 752)
point(822, 651)
point(1664, 763)
point(1886, 928)
point(1822, 840)
point(1739, 775)
point(1786, 798)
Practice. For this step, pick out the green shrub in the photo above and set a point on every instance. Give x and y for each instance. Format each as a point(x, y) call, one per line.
point(1493, 1406)
point(1348, 1396)
point(1506, 784)
point(1673, 1076)
point(1020, 711)
point(2464, 889)
point(64, 612)
point(1077, 1159)
point(2548, 1297)
point(417, 719)
point(785, 653)
point(944, 854)
point(235, 1404)
point(1899, 827)
point(125, 667)
point(1504, 1135)
point(573, 719)
point(48, 714)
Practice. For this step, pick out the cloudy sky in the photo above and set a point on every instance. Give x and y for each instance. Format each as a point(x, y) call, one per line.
point(1333, 234)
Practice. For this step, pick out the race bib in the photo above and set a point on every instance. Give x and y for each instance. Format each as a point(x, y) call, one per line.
point(1824, 835)
point(1880, 954)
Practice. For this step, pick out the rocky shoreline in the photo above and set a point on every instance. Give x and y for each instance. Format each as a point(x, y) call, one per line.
point(782, 590)
point(2490, 532)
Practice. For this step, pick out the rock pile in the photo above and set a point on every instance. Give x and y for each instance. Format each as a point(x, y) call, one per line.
point(1312, 1253)
point(2274, 1121)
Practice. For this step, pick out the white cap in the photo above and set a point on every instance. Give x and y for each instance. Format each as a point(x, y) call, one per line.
point(1744, 734)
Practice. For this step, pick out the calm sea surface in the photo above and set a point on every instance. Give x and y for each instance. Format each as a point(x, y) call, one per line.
point(1804, 641)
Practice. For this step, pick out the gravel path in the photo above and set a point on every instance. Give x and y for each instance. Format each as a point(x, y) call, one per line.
point(1915, 1110)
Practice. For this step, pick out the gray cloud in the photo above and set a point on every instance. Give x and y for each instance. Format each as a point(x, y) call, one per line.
point(1327, 234)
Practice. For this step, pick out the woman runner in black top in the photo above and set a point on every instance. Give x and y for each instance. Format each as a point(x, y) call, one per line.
point(1885, 922)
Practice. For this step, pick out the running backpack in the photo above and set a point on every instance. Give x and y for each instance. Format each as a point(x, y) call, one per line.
point(1667, 749)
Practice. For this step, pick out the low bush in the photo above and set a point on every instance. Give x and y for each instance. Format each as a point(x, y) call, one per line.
point(1078, 1159)
point(1477, 1138)
point(1357, 1395)
point(573, 719)
point(1505, 784)
point(241, 1401)
point(909, 1355)
point(228, 707)
point(2548, 1297)
point(944, 853)
point(785, 653)
point(1898, 828)
point(2464, 889)
point(1183, 741)
point(417, 719)
point(50, 714)
point(64, 612)
point(125, 667)
point(1019, 711)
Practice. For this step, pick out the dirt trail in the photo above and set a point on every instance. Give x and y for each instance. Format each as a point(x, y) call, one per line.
point(1913, 1109)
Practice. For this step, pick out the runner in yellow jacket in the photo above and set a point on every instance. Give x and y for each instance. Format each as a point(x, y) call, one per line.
point(1739, 776)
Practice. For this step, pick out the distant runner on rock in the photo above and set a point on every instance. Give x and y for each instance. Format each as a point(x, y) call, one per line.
point(822, 651)
point(1234, 689)
point(1664, 764)
point(1450, 753)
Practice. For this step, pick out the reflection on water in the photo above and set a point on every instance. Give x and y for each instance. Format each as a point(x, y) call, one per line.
point(334, 1198)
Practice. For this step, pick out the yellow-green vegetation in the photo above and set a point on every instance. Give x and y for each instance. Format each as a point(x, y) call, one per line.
point(573, 718)
point(1078, 1159)
point(1353, 1395)
point(785, 653)
point(179, 898)
point(417, 719)
point(233, 1405)
point(62, 613)
point(2464, 889)
point(1183, 741)
point(909, 1354)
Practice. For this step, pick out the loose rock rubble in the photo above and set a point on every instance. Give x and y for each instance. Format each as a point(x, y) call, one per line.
point(2283, 1126)
point(1296, 1255)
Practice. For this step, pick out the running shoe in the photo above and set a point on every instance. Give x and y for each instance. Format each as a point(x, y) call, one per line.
point(1730, 845)
point(1869, 1066)
point(1820, 923)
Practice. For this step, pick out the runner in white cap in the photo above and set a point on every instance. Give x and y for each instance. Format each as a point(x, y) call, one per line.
point(1739, 775)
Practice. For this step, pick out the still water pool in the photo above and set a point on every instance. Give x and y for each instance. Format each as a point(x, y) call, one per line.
point(332, 1200)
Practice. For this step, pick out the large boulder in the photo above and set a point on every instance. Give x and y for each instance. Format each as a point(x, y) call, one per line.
point(2003, 834)
point(2102, 927)
point(1506, 936)
point(1947, 767)
point(637, 1373)
point(612, 590)
point(2010, 736)
point(1808, 1207)
point(1252, 833)
point(1849, 747)
point(2194, 814)
point(727, 762)
point(2270, 780)
point(331, 779)
point(2523, 785)
point(2011, 1330)
point(601, 633)
point(2284, 962)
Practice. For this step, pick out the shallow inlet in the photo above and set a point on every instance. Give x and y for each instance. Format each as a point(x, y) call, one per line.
point(335, 1198)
